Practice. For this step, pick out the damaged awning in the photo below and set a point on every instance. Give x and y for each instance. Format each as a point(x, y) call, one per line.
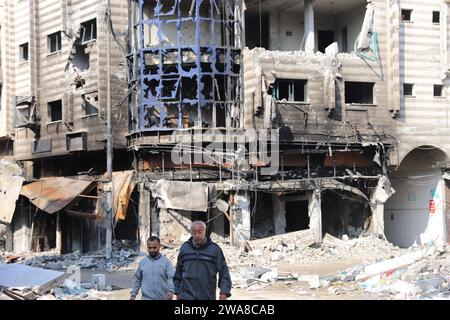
point(311, 184)
point(54, 194)
point(10, 184)
point(123, 186)
point(189, 196)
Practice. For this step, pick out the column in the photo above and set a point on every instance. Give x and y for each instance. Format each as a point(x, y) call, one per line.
point(279, 214)
point(242, 217)
point(144, 216)
point(58, 233)
point(315, 214)
point(309, 26)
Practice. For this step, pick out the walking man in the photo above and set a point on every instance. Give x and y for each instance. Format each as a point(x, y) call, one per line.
point(154, 274)
point(198, 263)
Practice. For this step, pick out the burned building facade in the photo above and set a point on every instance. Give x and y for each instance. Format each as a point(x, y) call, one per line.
point(259, 117)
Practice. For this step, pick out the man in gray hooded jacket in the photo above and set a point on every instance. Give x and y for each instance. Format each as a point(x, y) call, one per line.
point(154, 274)
point(198, 263)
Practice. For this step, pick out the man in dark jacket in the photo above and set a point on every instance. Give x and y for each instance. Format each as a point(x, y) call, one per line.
point(198, 263)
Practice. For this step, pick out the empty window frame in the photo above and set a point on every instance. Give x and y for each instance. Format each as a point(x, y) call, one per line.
point(54, 42)
point(436, 17)
point(55, 111)
point(408, 89)
point(88, 31)
point(291, 90)
point(23, 52)
point(438, 90)
point(406, 14)
point(359, 92)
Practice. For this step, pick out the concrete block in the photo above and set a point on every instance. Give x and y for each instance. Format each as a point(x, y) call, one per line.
point(98, 282)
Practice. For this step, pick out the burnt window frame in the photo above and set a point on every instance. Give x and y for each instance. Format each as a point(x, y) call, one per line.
point(50, 106)
point(409, 11)
point(441, 88)
point(412, 95)
point(434, 16)
point(372, 103)
point(291, 90)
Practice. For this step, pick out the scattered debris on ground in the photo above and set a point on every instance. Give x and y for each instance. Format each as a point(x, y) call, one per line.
point(124, 258)
point(384, 271)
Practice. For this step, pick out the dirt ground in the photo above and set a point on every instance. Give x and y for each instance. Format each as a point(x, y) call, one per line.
point(123, 281)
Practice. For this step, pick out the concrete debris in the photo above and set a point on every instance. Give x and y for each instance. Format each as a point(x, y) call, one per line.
point(25, 278)
point(124, 258)
point(403, 277)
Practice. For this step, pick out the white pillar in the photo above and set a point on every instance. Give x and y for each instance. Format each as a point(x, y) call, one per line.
point(315, 215)
point(309, 26)
point(144, 216)
point(242, 217)
point(9, 245)
point(279, 214)
point(58, 233)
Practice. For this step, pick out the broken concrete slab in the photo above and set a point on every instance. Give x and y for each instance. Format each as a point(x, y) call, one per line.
point(21, 277)
point(98, 282)
point(393, 264)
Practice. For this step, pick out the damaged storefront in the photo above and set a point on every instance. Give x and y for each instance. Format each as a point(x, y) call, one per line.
point(258, 135)
point(65, 214)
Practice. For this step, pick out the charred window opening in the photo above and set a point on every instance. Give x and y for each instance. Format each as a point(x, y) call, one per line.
point(54, 42)
point(359, 92)
point(257, 30)
point(23, 53)
point(408, 89)
point(290, 90)
point(88, 31)
point(436, 17)
point(26, 115)
point(79, 58)
point(190, 58)
point(325, 38)
point(90, 103)
point(297, 217)
point(55, 111)
point(406, 14)
point(345, 40)
point(438, 90)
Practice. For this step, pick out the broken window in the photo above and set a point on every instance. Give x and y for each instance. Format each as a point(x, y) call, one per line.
point(290, 90)
point(325, 38)
point(344, 40)
point(88, 31)
point(23, 52)
point(90, 103)
point(406, 14)
point(55, 111)
point(25, 112)
point(437, 90)
point(359, 92)
point(436, 17)
point(408, 89)
point(54, 42)
point(257, 29)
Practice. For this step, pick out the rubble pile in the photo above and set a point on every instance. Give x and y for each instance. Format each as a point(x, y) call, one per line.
point(364, 248)
point(428, 278)
point(123, 258)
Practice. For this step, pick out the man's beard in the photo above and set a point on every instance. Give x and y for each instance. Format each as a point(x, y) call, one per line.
point(153, 255)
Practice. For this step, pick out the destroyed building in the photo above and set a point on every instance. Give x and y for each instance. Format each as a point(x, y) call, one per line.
point(259, 117)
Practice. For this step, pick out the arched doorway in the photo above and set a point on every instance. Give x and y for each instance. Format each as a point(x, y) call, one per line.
point(416, 212)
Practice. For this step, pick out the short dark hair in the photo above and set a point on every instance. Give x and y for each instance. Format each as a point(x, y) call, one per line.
point(154, 238)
